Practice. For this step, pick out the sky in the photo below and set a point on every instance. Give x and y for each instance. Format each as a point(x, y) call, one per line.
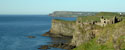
point(49, 6)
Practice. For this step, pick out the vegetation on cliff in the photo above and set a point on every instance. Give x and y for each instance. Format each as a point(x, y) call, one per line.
point(91, 36)
point(64, 21)
point(62, 27)
point(106, 15)
point(110, 37)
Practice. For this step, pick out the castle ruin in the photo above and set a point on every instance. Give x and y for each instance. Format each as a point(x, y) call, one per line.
point(103, 21)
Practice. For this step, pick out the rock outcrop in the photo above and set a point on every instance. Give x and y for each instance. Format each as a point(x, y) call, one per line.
point(84, 33)
point(61, 28)
point(90, 36)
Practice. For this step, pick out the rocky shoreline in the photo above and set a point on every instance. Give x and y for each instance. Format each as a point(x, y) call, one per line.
point(56, 35)
point(61, 45)
point(85, 36)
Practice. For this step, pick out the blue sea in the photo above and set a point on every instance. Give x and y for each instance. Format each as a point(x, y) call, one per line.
point(14, 30)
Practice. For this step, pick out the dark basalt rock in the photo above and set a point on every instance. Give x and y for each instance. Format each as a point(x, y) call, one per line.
point(44, 47)
point(55, 35)
point(63, 46)
point(31, 36)
point(60, 45)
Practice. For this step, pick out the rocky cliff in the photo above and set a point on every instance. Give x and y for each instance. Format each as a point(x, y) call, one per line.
point(76, 13)
point(61, 28)
point(111, 37)
point(84, 33)
point(90, 36)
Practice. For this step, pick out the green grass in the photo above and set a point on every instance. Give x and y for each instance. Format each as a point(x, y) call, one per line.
point(59, 20)
point(92, 45)
point(107, 14)
point(105, 33)
point(93, 18)
point(88, 18)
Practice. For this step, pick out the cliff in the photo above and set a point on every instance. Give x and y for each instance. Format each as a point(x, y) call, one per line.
point(89, 36)
point(77, 14)
point(84, 33)
point(61, 28)
point(71, 14)
point(110, 37)
point(95, 37)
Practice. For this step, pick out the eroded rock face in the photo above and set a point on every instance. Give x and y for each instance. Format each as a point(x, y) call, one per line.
point(63, 46)
point(83, 33)
point(110, 37)
point(60, 45)
point(60, 27)
point(114, 35)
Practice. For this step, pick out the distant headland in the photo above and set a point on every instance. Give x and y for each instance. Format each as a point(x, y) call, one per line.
point(75, 13)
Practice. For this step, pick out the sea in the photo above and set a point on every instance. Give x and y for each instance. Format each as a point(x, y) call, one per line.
point(15, 29)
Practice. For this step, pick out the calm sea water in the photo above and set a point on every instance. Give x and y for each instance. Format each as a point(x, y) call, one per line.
point(14, 30)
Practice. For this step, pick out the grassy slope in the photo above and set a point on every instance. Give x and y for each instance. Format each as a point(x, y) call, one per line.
point(107, 33)
point(59, 20)
point(106, 15)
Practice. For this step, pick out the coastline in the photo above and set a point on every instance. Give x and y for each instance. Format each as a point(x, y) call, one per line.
point(49, 34)
point(62, 45)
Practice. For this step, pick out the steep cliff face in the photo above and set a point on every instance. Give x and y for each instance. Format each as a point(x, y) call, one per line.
point(90, 37)
point(60, 27)
point(84, 33)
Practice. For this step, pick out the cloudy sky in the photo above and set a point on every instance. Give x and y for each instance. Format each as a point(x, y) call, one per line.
point(48, 6)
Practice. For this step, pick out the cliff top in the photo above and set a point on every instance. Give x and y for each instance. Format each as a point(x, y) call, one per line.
point(107, 34)
point(59, 20)
point(106, 15)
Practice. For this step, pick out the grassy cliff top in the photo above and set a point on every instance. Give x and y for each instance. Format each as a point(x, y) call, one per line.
point(88, 18)
point(92, 18)
point(108, 33)
point(106, 15)
point(64, 21)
